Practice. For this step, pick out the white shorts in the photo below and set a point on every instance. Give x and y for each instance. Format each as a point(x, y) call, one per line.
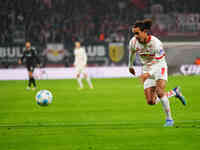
point(80, 69)
point(157, 71)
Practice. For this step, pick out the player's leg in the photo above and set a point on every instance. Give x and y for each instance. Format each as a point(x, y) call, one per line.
point(160, 90)
point(87, 77)
point(150, 92)
point(29, 81)
point(161, 73)
point(78, 77)
point(31, 77)
point(170, 93)
point(161, 76)
point(154, 93)
point(177, 93)
point(149, 85)
point(149, 88)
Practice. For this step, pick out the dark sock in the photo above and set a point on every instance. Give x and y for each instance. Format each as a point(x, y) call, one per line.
point(34, 83)
point(29, 82)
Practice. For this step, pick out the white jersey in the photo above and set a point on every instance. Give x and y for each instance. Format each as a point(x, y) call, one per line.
point(150, 53)
point(80, 57)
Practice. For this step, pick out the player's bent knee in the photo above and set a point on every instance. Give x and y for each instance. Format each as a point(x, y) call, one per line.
point(151, 102)
point(160, 92)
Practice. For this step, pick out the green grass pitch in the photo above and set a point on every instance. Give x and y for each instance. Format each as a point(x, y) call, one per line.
point(113, 116)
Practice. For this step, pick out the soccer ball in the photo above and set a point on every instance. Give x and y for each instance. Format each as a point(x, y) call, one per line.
point(44, 98)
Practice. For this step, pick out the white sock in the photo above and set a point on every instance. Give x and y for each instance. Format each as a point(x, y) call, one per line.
point(157, 100)
point(89, 82)
point(80, 82)
point(171, 93)
point(165, 103)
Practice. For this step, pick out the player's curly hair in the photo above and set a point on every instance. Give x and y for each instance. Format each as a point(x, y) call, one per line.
point(144, 24)
point(147, 24)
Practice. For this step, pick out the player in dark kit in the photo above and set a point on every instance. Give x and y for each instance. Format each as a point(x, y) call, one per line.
point(31, 60)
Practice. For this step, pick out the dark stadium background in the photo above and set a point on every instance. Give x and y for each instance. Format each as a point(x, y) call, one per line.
point(103, 26)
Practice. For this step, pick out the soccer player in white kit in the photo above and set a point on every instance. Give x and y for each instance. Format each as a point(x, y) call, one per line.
point(80, 64)
point(154, 76)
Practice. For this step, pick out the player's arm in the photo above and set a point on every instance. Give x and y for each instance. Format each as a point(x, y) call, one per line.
point(132, 56)
point(35, 54)
point(131, 60)
point(22, 58)
point(84, 57)
point(74, 54)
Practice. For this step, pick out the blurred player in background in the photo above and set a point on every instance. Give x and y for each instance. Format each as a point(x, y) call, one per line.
point(80, 64)
point(154, 77)
point(31, 60)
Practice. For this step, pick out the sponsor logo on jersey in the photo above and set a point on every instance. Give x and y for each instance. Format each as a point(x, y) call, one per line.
point(145, 52)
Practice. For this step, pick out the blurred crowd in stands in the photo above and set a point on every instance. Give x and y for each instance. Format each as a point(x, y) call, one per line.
point(56, 21)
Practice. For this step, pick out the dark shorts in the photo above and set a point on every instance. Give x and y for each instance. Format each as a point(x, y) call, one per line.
point(30, 68)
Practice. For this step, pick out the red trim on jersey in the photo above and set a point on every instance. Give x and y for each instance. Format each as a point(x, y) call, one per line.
point(149, 39)
point(159, 57)
point(163, 71)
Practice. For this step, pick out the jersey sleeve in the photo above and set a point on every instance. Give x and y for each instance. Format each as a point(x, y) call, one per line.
point(132, 43)
point(159, 51)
